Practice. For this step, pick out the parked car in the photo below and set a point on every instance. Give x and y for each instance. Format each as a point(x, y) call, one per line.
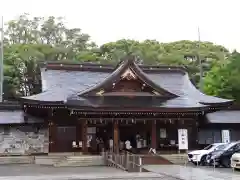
point(235, 161)
point(223, 156)
point(198, 157)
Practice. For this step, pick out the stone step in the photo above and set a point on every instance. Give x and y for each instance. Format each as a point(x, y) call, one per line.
point(62, 154)
point(48, 160)
point(17, 160)
point(78, 161)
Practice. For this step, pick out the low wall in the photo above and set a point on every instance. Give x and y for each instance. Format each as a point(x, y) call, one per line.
point(23, 140)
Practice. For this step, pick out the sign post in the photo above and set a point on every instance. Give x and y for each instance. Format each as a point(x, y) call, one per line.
point(182, 139)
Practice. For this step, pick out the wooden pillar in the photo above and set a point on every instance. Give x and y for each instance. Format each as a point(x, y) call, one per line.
point(153, 135)
point(84, 136)
point(52, 136)
point(115, 137)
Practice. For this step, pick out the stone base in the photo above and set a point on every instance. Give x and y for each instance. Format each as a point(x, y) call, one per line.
point(23, 140)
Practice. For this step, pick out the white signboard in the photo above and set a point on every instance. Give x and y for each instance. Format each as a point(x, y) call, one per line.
point(182, 139)
point(225, 136)
point(163, 133)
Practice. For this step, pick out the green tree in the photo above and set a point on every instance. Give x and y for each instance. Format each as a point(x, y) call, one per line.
point(31, 40)
point(223, 79)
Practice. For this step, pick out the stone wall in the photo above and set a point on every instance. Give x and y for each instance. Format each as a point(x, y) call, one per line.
point(23, 140)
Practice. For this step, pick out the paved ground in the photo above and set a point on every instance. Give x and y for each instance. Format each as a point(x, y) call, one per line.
point(36, 172)
point(158, 172)
point(194, 173)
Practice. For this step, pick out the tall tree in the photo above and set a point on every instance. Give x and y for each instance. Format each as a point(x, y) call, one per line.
point(223, 79)
point(31, 40)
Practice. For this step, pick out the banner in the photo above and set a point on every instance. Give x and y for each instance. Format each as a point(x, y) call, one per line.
point(182, 139)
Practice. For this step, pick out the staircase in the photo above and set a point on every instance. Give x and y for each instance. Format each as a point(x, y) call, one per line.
point(176, 158)
point(16, 160)
point(79, 161)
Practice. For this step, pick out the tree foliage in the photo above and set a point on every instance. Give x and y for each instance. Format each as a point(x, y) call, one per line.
point(223, 79)
point(31, 40)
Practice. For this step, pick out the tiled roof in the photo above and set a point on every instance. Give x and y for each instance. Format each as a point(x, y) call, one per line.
point(138, 102)
point(181, 85)
point(16, 117)
point(60, 84)
point(230, 116)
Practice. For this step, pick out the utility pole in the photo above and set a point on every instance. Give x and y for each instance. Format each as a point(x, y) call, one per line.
point(200, 62)
point(1, 62)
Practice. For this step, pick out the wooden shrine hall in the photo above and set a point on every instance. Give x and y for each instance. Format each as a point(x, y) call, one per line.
point(87, 105)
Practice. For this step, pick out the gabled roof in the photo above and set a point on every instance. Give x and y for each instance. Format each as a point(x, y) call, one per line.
point(62, 82)
point(127, 69)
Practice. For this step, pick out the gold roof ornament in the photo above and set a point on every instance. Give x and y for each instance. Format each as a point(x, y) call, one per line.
point(100, 93)
point(155, 92)
point(129, 75)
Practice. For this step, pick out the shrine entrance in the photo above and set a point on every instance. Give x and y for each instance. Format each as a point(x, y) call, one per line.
point(98, 137)
point(139, 135)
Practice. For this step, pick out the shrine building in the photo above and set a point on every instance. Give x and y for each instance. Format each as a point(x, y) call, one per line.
point(82, 102)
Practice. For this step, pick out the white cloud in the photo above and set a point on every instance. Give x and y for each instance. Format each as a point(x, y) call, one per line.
point(164, 20)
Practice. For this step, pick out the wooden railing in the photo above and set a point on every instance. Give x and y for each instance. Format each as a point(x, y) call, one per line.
point(124, 160)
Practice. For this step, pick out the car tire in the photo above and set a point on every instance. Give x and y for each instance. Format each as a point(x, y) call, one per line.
point(226, 163)
point(203, 161)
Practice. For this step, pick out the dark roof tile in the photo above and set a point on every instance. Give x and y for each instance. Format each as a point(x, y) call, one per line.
point(58, 85)
point(181, 85)
point(17, 117)
point(144, 101)
point(11, 117)
point(231, 116)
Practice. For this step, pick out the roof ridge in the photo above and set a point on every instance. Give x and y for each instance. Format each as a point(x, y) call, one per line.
point(108, 68)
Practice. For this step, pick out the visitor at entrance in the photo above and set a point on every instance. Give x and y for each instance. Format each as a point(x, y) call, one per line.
point(93, 145)
point(111, 145)
point(138, 142)
point(100, 145)
point(121, 145)
point(128, 145)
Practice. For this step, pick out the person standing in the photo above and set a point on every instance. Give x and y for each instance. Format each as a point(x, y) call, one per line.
point(111, 145)
point(128, 145)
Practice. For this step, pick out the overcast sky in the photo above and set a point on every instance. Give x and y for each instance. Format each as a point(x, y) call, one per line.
point(163, 20)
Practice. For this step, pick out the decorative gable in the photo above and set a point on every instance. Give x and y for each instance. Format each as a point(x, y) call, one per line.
point(127, 79)
point(128, 75)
